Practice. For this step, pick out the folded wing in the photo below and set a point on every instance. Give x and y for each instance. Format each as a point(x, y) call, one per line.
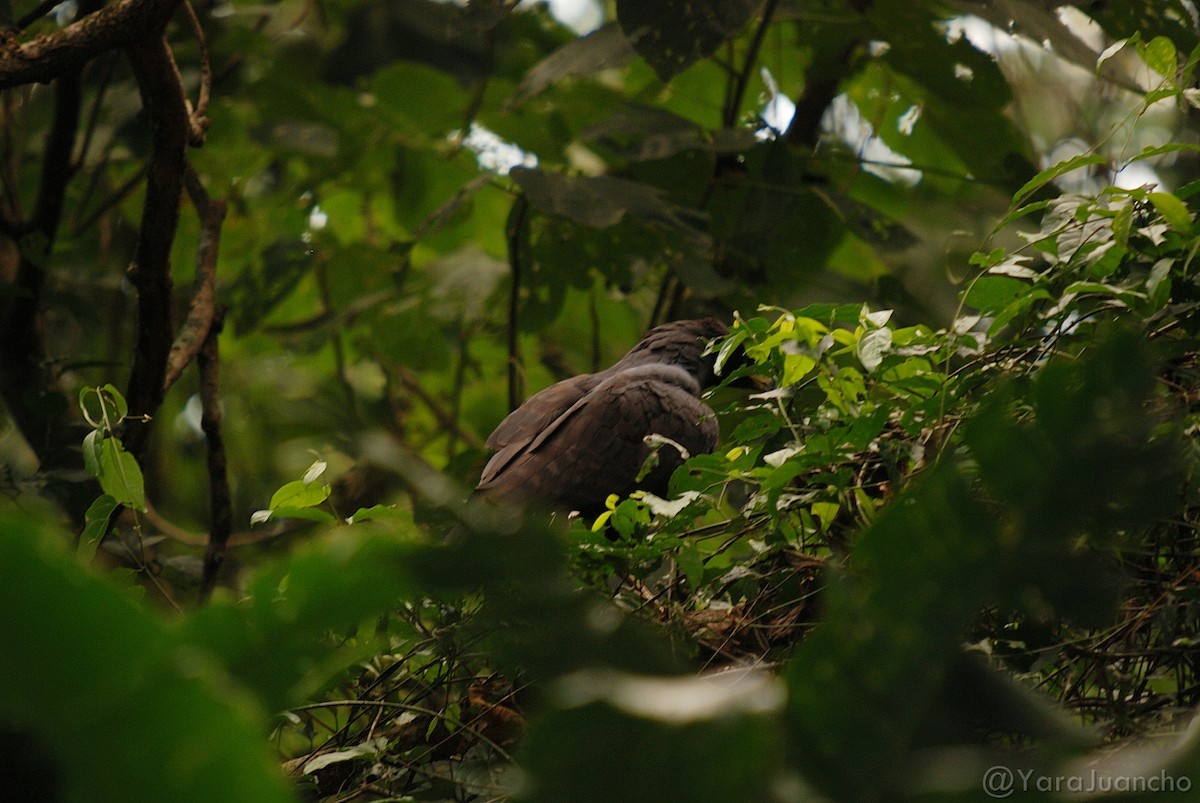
point(595, 445)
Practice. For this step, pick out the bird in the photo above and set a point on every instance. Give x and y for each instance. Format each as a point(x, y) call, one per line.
point(573, 444)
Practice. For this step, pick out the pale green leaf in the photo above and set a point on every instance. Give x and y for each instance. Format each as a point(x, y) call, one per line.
point(368, 749)
point(91, 452)
point(298, 494)
point(314, 472)
point(1159, 55)
point(872, 346)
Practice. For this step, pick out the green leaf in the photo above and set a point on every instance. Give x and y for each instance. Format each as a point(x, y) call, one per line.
point(1158, 283)
point(1100, 288)
point(120, 476)
point(1171, 147)
point(96, 523)
point(112, 396)
point(990, 292)
point(594, 201)
point(1159, 55)
point(796, 367)
point(602, 49)
point(93, 444)
point(1061, 169)
point(825, 513)
point(378, 512)
point(297, 494)
point(735, 339)
point(110, 406)
point(691, 563)
point(1173, 210)
point(369, 749)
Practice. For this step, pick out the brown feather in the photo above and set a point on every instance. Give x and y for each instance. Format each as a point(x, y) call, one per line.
point(574, 443)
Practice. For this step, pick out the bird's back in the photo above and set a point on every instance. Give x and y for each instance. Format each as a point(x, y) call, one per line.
point(574, 443)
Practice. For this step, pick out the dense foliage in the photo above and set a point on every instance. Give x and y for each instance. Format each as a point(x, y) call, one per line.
point(958, 533)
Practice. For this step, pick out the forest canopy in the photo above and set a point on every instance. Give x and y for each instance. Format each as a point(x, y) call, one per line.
point(270, 274)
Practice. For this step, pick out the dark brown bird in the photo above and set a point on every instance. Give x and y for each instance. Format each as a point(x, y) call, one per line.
point(574, 443)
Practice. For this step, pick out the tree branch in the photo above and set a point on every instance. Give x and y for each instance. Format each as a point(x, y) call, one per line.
point(192, 335)
point(123, 24)
point(150, 272)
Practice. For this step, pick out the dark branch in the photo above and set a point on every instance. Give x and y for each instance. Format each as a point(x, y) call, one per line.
point(25, 379)
point(518, 234)
point(60, 147)
point(162, 95)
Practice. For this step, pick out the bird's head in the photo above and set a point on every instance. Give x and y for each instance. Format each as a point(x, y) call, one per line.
point(680, 343)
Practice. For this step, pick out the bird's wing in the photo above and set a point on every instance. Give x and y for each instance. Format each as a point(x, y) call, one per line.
point(597, 446)
point(524, 424)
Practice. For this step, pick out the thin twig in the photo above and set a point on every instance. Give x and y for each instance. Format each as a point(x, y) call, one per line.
point(445, 419)
point(94, 115)
point(742, 80)
point(112, 200)
point(198, 121)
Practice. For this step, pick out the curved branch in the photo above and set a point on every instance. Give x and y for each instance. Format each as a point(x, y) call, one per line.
point(123, 24)
point(194, 331)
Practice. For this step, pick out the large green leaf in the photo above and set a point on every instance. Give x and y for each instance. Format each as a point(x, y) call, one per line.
point(98, 676)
